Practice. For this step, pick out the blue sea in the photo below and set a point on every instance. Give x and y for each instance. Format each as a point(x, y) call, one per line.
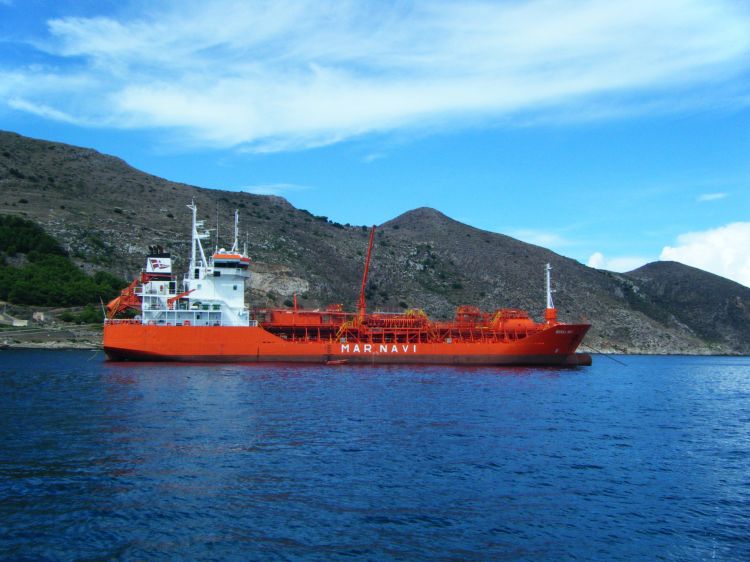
point(646, 460)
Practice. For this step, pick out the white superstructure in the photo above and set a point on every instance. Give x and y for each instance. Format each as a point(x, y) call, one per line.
point(212, 292)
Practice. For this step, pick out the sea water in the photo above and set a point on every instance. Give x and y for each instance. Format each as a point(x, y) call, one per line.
point(649, 459)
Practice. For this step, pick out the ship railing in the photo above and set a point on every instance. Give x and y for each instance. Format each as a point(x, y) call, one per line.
point(171, 322)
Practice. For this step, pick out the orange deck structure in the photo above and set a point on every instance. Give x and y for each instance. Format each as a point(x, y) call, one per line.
point(182, 328)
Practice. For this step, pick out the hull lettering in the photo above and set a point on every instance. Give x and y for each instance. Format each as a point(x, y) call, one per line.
point(379, 348)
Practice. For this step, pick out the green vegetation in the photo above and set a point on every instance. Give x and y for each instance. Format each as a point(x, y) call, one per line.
point(20, 236)
point(48, 277)
point(89, 315)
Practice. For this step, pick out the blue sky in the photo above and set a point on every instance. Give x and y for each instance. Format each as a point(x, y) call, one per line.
point(616, 133)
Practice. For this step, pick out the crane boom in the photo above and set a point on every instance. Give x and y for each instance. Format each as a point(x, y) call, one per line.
point(172, 300)
point(361, 307)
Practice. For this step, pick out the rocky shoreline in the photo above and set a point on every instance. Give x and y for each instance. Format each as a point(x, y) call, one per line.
point(52, 346)
point(58, 337)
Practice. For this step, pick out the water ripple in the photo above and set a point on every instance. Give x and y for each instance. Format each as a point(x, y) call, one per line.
point(243, 462)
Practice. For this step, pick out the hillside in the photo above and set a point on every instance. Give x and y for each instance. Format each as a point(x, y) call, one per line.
point(106, 214)
point(712, 307)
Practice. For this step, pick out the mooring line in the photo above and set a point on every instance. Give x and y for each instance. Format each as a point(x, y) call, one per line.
point(607, 355)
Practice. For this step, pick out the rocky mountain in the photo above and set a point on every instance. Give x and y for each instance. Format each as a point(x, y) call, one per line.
point(713, 308)
point(106, 214)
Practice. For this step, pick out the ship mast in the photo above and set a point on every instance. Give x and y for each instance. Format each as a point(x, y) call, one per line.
point(216, 244)
point(196, 238)
point(193, 239)
point(235, 246)
point(550, 314)
point(361, 304)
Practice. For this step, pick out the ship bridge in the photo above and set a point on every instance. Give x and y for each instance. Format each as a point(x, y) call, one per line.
point(213, 290)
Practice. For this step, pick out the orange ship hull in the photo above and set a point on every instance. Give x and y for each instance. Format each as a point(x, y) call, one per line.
point(131, 340)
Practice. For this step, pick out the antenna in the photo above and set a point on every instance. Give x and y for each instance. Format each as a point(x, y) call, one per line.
point(235, 245)
point(550, 314)
point(548, 272)
point(193, 233)
point(361, 303)
point(196, 237)
point(216, 246)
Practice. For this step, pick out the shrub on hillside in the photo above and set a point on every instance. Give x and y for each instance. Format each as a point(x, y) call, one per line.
point(49, 278)
point(21, 236)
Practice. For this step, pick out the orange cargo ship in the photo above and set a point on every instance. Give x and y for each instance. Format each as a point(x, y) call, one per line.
point(208, 320)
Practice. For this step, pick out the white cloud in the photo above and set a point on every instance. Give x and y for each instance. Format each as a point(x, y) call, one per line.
point(372, 157)
point(278, 75)
point(619, 263)
point(596, 260)
point(43, 111)
point(724, 251)
point(705, 197)
point(272, 188)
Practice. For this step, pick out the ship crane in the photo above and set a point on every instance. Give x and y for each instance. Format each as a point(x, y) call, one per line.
point(127, 299)
point(172, 300)
point(361, 307)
